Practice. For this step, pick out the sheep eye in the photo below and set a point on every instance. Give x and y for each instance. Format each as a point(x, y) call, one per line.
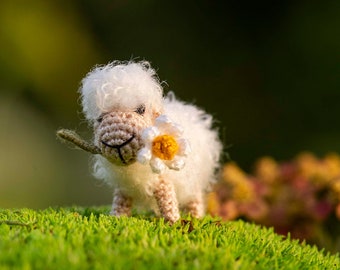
point(100, 119)
point(141, 109)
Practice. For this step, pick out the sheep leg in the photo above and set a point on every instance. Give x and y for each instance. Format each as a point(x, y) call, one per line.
point(196, 207)
point(121, 205)
point(166, 199)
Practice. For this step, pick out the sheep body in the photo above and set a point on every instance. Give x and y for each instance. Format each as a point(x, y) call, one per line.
point(113, 92)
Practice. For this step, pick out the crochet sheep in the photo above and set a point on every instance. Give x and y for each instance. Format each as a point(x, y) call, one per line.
point(157, 152)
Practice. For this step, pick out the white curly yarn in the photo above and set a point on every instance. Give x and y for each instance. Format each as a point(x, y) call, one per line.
point(111, 87)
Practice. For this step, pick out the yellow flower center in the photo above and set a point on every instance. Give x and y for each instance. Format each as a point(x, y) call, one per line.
point(164, 147)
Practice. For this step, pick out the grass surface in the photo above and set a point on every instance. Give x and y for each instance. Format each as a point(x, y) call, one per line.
point(83, 238)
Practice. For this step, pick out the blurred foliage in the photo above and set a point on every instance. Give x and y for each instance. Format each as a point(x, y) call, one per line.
point(300, 197)
point(267, 70)
point(45, 50)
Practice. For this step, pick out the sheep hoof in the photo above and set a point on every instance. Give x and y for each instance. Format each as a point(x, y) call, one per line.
point(121, 205)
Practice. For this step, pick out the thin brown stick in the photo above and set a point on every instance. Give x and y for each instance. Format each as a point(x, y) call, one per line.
point(73, 137)
point(14, 223)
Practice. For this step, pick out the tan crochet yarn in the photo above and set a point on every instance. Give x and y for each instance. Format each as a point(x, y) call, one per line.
point(195, 208)
point(117, 134)
point(165, 196)
point(121, 205)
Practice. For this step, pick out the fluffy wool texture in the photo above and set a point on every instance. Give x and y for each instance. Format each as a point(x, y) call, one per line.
point(120, 86)
point(123, 87)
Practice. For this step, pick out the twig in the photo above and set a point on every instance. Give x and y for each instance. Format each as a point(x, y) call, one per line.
point(14, 222)
point(73, 137)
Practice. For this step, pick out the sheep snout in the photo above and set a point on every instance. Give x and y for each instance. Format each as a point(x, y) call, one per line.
point(118, 137)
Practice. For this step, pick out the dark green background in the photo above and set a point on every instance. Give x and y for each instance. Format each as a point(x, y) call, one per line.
point(267, 70)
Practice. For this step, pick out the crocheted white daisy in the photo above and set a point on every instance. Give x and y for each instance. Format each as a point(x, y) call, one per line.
point(164, 146)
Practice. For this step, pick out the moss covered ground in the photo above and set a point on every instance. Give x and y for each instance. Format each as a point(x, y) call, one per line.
point(88, 238)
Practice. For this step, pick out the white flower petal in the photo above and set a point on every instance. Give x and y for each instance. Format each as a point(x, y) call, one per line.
point(149, 134)
point(157, 165)
point(177, 163)
point(144, 155)
point(175, 130)
point(162, 119)
point(167, 126)
point(184, 147)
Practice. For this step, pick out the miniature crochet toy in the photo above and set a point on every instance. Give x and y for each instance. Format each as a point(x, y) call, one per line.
point(157, 152)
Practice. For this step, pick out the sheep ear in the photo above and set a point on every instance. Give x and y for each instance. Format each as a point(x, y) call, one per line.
point(73, 137)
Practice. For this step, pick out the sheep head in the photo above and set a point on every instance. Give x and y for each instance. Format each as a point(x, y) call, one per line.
point(120, 100)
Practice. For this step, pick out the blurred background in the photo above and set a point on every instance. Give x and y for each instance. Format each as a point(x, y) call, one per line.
point(267, 70)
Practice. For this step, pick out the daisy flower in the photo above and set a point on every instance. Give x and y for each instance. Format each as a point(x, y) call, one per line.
point(164, 146)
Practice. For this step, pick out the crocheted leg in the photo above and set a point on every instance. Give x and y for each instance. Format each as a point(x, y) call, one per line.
point(196, 207)
point(166, 200)
point(121, 205)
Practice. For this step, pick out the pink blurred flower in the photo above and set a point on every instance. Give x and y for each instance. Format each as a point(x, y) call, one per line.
point(298, 196)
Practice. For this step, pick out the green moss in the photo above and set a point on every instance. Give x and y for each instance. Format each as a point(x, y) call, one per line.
point(85, 238)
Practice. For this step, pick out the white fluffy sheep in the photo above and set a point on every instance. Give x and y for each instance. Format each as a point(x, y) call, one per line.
point(120, 100)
